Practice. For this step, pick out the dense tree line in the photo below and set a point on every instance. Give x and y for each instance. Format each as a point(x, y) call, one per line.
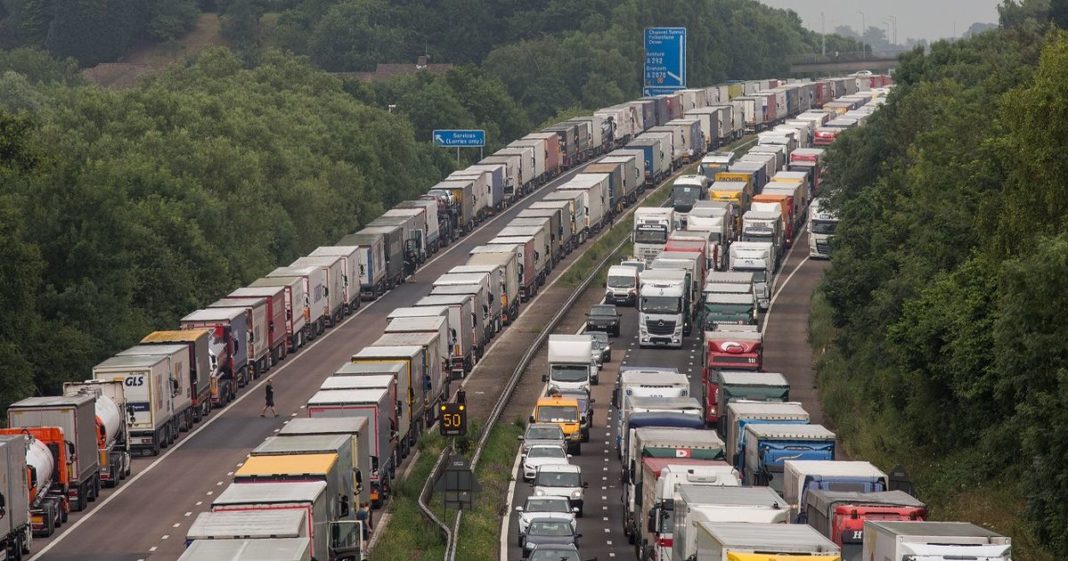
point(122, 211)
point(92, 31)
point(950, 276)
point(550, 54)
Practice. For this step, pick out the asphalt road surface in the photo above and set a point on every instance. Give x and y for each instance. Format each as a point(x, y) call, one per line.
point(786, 350)
point(147, 516)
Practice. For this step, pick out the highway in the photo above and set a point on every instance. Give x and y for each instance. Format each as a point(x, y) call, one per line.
point(786, 351)
point(147, 516)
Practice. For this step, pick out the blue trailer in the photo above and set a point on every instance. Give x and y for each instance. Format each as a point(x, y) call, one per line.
point(768, 446)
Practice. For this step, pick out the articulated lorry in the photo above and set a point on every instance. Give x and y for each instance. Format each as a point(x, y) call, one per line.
point(652, 226)
point(46, 453)
point(661, 478)
point(741, 385)
point(349, 472)
point(821, 226)
point(662, 312)
point(355, 429)
point(228, 346)
point(253, 525)
point(710, 505)
point(112, 426)
point(802, 477)
point(76, 416)
point(743, 413)
point(380, 410)
point(294, 326)
point(202, 363)
point(757, 258)
point(768, 446)
point(840, 515)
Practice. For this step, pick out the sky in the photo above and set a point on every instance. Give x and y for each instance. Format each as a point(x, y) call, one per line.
point(919, 19)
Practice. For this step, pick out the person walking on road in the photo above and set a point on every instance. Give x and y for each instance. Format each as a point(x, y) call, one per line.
point(269, 401)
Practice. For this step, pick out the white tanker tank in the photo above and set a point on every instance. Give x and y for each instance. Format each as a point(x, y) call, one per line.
point(39, 459)
point(111, 425)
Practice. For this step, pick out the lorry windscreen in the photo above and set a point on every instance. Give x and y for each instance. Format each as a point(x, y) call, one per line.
point(660, 305)
point(650, 234)
point(568, 372)
point(824, 227)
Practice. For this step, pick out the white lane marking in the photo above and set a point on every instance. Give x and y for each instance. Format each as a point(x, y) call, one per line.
point(218, 483)
point(606, 530)
point(199, 503)
point(608, 542)
point(229, 474)
point(188, 514)
point(767, 314)
point(210, 493)
point(165, 536)
point(176, 524)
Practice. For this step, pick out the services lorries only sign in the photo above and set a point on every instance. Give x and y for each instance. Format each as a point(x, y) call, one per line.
point(665, 60)
point(459, 138)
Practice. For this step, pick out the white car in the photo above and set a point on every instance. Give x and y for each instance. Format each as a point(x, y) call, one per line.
point(560, 481)
point(542, 507)
point(540, 455)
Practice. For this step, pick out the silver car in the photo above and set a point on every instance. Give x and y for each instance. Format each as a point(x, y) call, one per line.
point(541, 455)
point(541, 507)
point(542, 433)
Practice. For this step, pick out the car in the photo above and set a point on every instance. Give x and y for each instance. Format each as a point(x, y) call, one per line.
point(603, 317)
point(540, 455)
point(585, 403)
point(549, 531)
point(549, 552)
point(541, 507)
point(561, 481)
point(542, 433)
point(603, 344)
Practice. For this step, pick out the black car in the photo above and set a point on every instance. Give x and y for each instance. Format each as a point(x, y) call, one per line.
point(549, 532)
point(603, 317)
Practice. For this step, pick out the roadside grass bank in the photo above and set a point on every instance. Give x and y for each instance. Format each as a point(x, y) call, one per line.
point(409, 536)
point(951, 485)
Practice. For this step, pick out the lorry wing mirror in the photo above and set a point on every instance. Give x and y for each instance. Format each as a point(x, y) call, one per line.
point(544, 377)
point(585, 484)
point(650, 524)
point(532, 418)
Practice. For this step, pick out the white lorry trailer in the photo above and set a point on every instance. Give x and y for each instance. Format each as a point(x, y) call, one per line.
point(934, 541)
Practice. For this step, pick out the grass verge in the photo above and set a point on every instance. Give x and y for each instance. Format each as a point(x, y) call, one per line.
point(410, 536)
point(947, 483)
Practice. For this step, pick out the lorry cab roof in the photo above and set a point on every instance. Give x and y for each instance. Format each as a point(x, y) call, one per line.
point(730, 496)
point(443, 300)
point(728, 335)
point(657, 403)
point(836, 468)
point(747, 378)
point(727, 288)
point(665, 377)
point(725, 298)
point(824, 501)
point(681, 436)
point(777, 538)
point(291, 492)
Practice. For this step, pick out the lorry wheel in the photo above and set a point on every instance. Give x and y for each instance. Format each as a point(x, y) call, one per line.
point(63, 513)
point(96, 486)
point(51, 517)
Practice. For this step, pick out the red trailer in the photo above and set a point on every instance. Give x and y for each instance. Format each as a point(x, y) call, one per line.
point(276, 315)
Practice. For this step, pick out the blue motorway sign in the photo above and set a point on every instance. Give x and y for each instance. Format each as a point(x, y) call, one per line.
point(460, 138)
point(665, 59)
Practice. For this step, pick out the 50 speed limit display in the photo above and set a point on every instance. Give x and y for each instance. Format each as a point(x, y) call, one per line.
point(453, 419)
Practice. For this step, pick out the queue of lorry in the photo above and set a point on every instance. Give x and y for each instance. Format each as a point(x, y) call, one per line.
point(140, 400)
point(740, 472)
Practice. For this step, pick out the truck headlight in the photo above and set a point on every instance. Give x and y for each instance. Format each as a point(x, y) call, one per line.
point(539, 493)
point(576, 494)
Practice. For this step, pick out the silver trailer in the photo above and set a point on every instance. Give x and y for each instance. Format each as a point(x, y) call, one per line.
point(76, 415)
point(309, 497)
point(252, 525)
point(933, 540)
point(281, 549)
point(350, 269)
point(722, 541)
point(15, 531)
point(374, 280)
point(464, 337)
point(355, 428)
point(334, 268)
point(258, 341)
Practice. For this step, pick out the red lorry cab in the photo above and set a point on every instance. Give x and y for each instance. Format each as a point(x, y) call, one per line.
point(826, 136)
point(728, 350)
point(840, 515)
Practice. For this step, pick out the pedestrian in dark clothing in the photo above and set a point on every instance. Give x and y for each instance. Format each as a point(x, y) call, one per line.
point(269, 401)
point(364, 515)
